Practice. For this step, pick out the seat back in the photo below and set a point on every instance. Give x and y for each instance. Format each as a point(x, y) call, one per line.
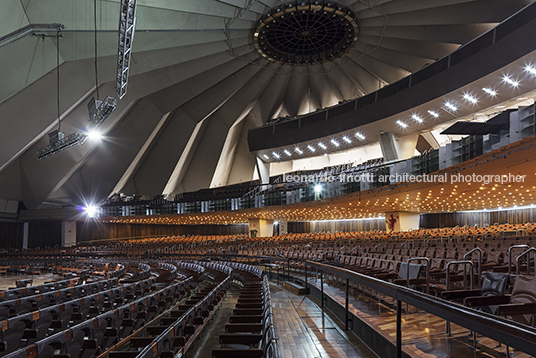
point(524, 291)
point(494, 283)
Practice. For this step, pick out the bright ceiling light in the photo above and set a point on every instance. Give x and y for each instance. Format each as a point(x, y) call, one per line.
point(298, 150)
point(318, 188)
point(416, 118)
point(360, 136)
point(321, 145)
point(510, 81)
point(94, 135)
point(346, 139)
point(312, 149)
point(490, 91)
point(433, 114)
point(334, 142)
point(91, 210)
point(402, 124)
point(470, 98)
point(530, 70)
point(276, 155)
point(265, 156)
point(287, 152)
point(451, 106)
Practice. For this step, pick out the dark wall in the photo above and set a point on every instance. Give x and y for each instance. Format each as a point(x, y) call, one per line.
point(430, 221)
point(90, 231)
point(11, 235)
point(44, 234)
point(336, 226)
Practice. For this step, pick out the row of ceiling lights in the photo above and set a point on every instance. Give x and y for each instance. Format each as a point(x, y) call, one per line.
point(452, 106)
point(448, 106)
point(336, 143)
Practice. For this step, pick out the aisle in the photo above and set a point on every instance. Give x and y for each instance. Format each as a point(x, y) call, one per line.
point(305, 331)
point(210, 337)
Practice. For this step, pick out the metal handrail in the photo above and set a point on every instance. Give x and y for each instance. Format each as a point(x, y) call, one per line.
point(465, 263)
point(479, 250)
point(358, 247)
point(427, 271)
point(526, 253)
point(516, 335)
point(510, 255)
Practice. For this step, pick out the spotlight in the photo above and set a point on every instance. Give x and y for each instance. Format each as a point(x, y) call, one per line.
point(334, 142)
point(318, 188)
point(451, 106)
point(321, 145)
point(265, 156)
point(530, 70)
point(287, 152)
point(510, 81)
point(311, 148)
point(490, 91)
point(346, 139)
point(94, 135)
point(416, 118)
point(360, 136)
point(298, 150)
point(91, 210)
point(277, 156)
point(401, 124)
point(470, 98)
point(433, 114)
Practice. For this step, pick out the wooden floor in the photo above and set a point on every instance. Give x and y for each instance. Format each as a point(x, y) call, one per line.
point(305, 331)
point(423, 334)
point(7, 282)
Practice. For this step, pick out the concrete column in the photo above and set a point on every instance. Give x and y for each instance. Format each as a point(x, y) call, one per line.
point(68, 233)
point(26, 230)
point(262, 227)
point(263, 170)
point(397, 221)
point(397, 148)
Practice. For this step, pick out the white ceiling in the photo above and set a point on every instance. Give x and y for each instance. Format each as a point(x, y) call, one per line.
point(194, 89)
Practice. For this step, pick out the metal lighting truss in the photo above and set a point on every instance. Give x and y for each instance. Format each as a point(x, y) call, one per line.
point(59, 143)
point(98, 112)
point(127, 23)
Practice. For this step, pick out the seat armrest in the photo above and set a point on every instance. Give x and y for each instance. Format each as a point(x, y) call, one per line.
point(516, 309)
point(459, 294)
point(486, 300)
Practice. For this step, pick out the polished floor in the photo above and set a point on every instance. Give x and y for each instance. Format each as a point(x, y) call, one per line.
point(423, 334)
point(304, 330)
point(7, 282)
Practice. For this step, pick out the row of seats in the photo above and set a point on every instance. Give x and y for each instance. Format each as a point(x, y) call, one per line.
point(99, 331)
point(20, 292)
point(26, 304)
point(24, 329)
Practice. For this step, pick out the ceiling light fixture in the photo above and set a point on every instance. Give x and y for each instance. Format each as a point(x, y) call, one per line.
point(312, 149)
point(433, 114)
point(470, 98)
point(510, 81)
point(321, 145)
point(401, 124)
point(360, 136)
point(334, 142)
point(416, 118)
point(346, 139)
point(298, 150)
point(490, 91)
point(451, 106)
point(287, 152)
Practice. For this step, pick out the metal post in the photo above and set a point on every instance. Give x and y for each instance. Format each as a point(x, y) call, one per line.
point(306, 277)
point(347, 304)
point(399, 329)
point(322, 287)
point(288, 269)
